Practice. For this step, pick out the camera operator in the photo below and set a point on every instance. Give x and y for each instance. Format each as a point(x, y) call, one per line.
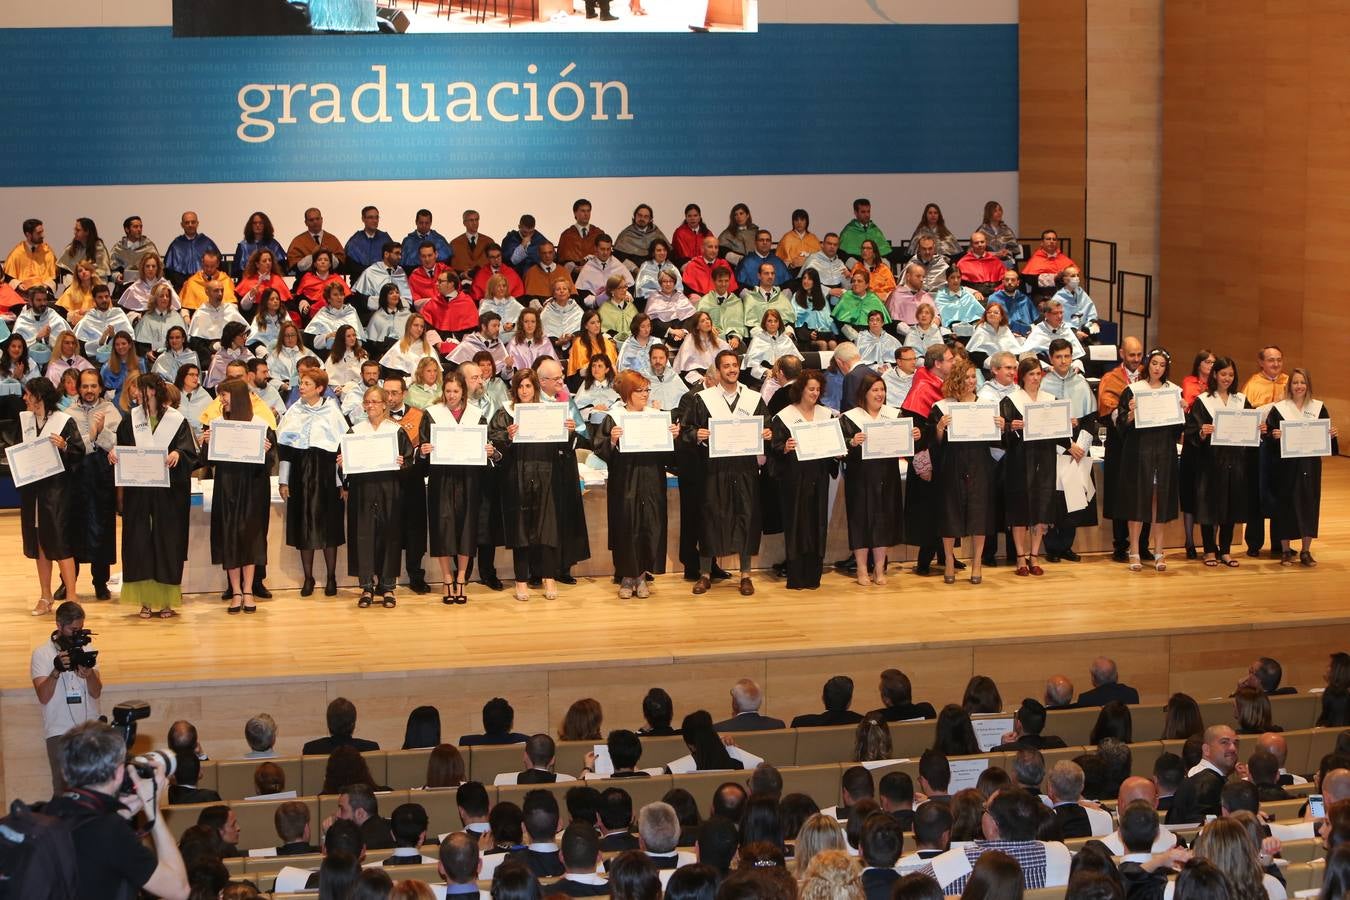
point(68, 691)
point(105, 795)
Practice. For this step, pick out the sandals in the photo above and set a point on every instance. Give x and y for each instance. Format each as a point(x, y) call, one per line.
point(44, 606)
point(521, 592)
point(365, 600)
point(249, 607)
point(1159, 562)
point(550, 593)
point(168, 613)
point(1305, 558)
point(1210, 561)
point(389, 601)
point(1135, 564)
point(1229, 562)
point(145, 612)
point(1287, 558)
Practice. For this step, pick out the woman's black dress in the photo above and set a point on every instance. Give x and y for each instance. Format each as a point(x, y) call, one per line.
point(873, 494)
point(453, 501)
point(46, 505)
point(804, 486)
point(241, 508)
point(963, 480)
point(636, 503)
point(1148, 458)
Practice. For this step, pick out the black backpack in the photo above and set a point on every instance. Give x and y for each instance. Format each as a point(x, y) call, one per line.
point(37, 853)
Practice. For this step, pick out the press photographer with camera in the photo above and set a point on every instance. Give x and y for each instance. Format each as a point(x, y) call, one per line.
point(106, 793)
point(66, 681)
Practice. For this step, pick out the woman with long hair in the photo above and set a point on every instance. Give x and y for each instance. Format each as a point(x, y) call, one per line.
point(453, 492)
point(1297, 480)
point(374, 509)
point(346, 766)
point(872, 740)
point(814, 326)
point(953, 735)
point(1003, 241)
point(992, 335)
point(283, 358)
point(1192, 386)
point(1225, 843)
point(261, 273)
point(873, 488)
point(1182, 718)
point(497, 298)
point(388, 322)
point(86, 245)
point(996, 876)
point(706, 750)
point(123, 363)
point(636, 497)
point(1252, 712)
point(424, 387)
point(47, 506)
point(78, 297)
point(804, 484)
point(1113, 721)
point(1147, 480)
point(65, 357)
point(818, 834)
point(934, 225)
point(701, 347)
point(686, 242)
point(963, 474)
point(150, 275)
point(309, 437)
point(737, 240)
point(770, 343)
point(596, 394)
point(266, 324)
point(309, 293)
point(635, 351)
point(1030, 472)
point(240, 502)
point(445, 767)
point(423, 728)
point(153, 326)
point(591, 341)
point(880, 278)
point(982, 696)
point(418, 342)
point(258, 235)
point(232, 339)
point(343, 364)
point(648, 274)
point(583, 721)
point(528, 342)
point(1215, 478)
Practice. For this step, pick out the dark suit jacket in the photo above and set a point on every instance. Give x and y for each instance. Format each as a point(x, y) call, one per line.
point(820, 719)
point(489, 740)
point(1197, 797)
point(1033, 742)
point(749, 722)
point(377, 834)
point(1267, 792)
point(877, 883)
point(577, 889)
point(851, 383)
point(543, 865)
point(1108, 693)
point(402, 860)
point(907, 711)
point(636, 773)
point(536, 776)
point(618, 842)
point(326, 745)
point(1073, 821)
point(179, 795)
point(296, 848)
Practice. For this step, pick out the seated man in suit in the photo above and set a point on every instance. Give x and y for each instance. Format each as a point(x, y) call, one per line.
point(746, 699)
point(1106, 686)
point(498, 717)
point(717, 843)
point(182, 738)
point(1029, 770)
point(581, 859)
point(357, 803)
point(625, 749)
point(1139, 790)
point(408, 822)
point(1076, 819)
point(896, 792)
point(932, 835)
point(291, 821)
point(856, 784)
point(897, 699)
point(765, 781)
point(935, 774)
point(1059, 692)
point(1264, 769)
point(471, 798)
point(1277, 746)
point(1168, 774)
point(459, 864)
point(184, 788)
point(882, 843)
point(613, 818)
point(1144, 870)
point(1199, 795)
point(1266, 674)
point(223, 820)
point(729, 801)
point(1028, 723)
point(341, 725)
point(659, 834)
point(836, 695)
point(539, 757)
point(540, 854)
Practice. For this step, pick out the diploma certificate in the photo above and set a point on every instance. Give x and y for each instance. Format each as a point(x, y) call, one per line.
point(736, 436)
point(33, 461)
point(1157, 409)
point(1308, 437)
point(541, 423)
point(1048, 421)
point(888, 438)
point(143, 467)
point(363, 454)
point(818, 440)
point(238, 442)
point(459, 445)
point(1236, 428)
point(647, 431)
point(973, 422)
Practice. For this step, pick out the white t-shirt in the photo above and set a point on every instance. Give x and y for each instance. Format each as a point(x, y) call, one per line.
point(70, 704)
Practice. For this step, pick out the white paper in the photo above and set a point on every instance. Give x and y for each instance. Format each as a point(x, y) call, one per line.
point(1047, 421)
point(647, 431)
point(262, 852)
point(604, 765)
point(541, 423)
point(888, 438)
point(33, 461)
point(972, 422)
point(736, 436)
point(459, 445)
point(989, 731)
point(292, 880)
point(1101, 352)
point(1157, 409)
point(141, 467)
point(1236, 428)
point(965, 772)
point(818, 440)
point(875, 764)
point(951, 866)
point(240, 442)
point(367, 453)
point(1310, 437)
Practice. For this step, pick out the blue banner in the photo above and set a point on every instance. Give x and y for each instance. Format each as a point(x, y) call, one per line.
point(137, 106)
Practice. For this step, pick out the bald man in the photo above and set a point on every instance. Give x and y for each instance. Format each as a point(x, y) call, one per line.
point(1199, 794)
point(1136, 787)
point(1059, 692)
point(1275, 744)
point(1112, 385)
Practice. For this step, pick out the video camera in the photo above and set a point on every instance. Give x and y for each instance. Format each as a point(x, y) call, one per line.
point(74, 645)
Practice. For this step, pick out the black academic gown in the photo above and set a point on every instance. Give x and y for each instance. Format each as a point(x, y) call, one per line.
point(873, 495)
point(454, 499)
point(95, 515)
point(374, 515)
point(1087, 516)
point(1029, 472)
point(921, 524)
point(241, 509)
point(47, 506)
point(730, 512)
point(1148, 457)
point(155, 546)
point(1297, 485)
point(1219, 491)
point(413, 486)
point(690, 468)
point(315, 511)
point(963, 479)
point(636, 503)
point(804, 489)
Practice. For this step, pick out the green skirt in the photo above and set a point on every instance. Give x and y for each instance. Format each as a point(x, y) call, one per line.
point(152, 594)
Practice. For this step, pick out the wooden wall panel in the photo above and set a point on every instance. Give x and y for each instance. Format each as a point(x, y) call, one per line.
point(1052, 90)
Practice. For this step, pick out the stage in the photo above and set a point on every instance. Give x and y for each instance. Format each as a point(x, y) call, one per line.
point(1192, 628)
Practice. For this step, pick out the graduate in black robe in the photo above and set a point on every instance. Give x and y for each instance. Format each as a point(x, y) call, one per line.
point(873, 488)
point(374, 509)
point(241, 502)
point(412, 482)
point(309, 436)
point(636, 491)
point(963, 476)
point(155, 520)
point(1297, 480)
point(729, 518)
point(45, 506)
point(1220, 492)
point(1064, 382)
point(1030, 470)
point(95, 516)
point(690, 469)
point(803, 485)
point(1148, 480)
point(453, 500)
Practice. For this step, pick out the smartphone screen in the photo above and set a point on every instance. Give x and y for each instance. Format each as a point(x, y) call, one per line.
point(1315, 806)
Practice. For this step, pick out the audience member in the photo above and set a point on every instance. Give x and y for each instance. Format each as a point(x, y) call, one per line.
point(1105, 685)
point(341, 718)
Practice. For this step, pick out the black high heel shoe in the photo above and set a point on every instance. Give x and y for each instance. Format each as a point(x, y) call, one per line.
point(330, 586)
point(307, 587)
point(460, 597)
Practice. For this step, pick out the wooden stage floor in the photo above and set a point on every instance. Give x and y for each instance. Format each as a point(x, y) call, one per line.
point(1191, 628)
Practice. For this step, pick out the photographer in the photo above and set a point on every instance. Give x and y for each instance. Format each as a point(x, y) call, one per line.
point(66, 682)
point(105, 795)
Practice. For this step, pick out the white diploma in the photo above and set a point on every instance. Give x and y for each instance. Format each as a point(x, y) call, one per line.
point(541, 423)
point(1048, 421)
point(238, 442)
point(888, 438)
point(363, 454)
point(1309, 437)
point(973, 422)
point(1236, 428)
point(989, 731)
point(1157, 409)
point(647, 431)
point(141, 467)
point(33, 461)
point(736, 436)
point(966, 772)
point(458, 445)
point(818, 440)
